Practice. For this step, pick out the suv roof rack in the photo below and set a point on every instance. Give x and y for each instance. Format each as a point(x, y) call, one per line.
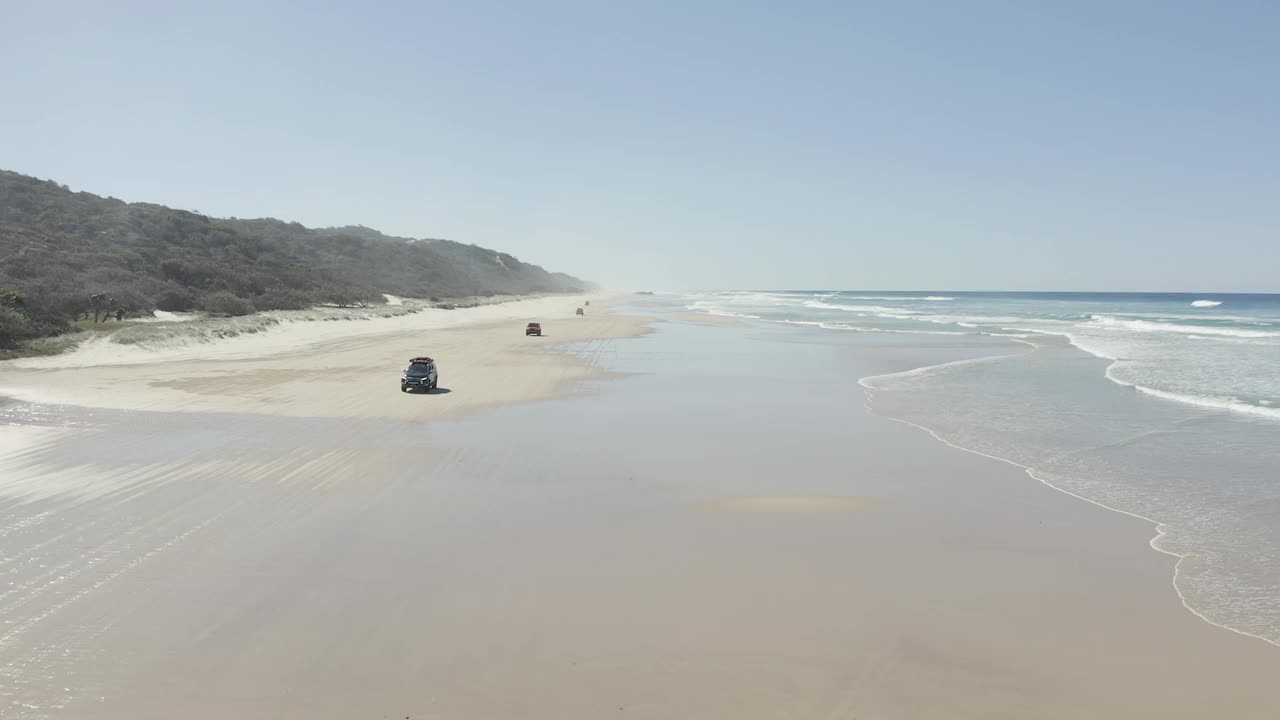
point(421, 360)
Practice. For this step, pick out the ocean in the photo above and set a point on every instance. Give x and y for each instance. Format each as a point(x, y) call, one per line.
point(1165, 406)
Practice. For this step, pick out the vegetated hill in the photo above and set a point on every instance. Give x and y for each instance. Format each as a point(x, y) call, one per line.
point(65, 254)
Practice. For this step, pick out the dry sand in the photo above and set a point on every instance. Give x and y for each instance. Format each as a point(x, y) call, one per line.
point(340, 369)
point(724, 533)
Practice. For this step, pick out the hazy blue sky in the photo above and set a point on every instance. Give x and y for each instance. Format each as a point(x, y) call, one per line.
point(945, 145)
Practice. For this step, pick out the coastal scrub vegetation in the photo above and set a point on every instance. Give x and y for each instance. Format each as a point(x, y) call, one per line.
point(67, 256)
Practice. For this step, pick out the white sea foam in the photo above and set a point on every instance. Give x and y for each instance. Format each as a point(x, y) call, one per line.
point(711, 308)
point(1195, 316)
point(823, 305)
point(1098, 348)
point(1145, 326)
point(854, 328)
point(874, 382)
point(970, 320)
point(1217, 403)
point(759, 298)
point(930, 298)
point(873, 309)
point(1206, 303)
point(826, 325)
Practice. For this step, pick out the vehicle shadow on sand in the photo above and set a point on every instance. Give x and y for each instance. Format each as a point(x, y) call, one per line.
point(433, 391)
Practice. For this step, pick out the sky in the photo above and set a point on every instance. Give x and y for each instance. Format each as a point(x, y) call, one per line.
point(673, 145)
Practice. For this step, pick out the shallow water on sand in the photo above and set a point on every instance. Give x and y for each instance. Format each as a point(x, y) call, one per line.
point(1166, 406)
point(1210, 478)
point(171, 548)
point(724, 532)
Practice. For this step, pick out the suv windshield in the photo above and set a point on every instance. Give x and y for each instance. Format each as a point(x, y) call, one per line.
point(418, 369)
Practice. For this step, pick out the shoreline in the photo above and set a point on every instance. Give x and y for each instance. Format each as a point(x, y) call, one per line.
point(1160, 528)
point(1188, 585)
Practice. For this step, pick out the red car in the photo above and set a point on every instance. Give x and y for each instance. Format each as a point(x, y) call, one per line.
point(533, 329)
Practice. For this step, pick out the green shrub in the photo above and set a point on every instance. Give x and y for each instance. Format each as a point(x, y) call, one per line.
point(283, 299)
point(176, 300)
point(224, 303)
point(59, 249)
point(14, 328)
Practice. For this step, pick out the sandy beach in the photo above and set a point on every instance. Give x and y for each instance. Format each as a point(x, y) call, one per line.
point(337, 369)
point(637, 515)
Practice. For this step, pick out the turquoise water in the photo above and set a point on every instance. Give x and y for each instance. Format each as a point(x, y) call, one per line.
point(1164, 406)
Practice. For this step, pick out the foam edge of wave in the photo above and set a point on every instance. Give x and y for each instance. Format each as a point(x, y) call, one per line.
point(1160, 528)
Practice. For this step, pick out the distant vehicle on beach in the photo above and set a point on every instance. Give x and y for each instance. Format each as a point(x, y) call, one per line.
point(533, 329)
point(420, 375)
point(586, 303)
point(580, 312)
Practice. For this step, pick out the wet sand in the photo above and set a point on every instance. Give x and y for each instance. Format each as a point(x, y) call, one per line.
point(717, 529)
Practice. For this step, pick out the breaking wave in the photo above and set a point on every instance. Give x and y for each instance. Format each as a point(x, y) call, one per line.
point(907, 298)
point(1146, 326)
point(873, 309)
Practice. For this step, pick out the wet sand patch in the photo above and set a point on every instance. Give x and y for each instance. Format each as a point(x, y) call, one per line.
point(792, 504)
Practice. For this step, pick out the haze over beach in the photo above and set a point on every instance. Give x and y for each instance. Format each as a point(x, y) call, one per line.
point(493, 361)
